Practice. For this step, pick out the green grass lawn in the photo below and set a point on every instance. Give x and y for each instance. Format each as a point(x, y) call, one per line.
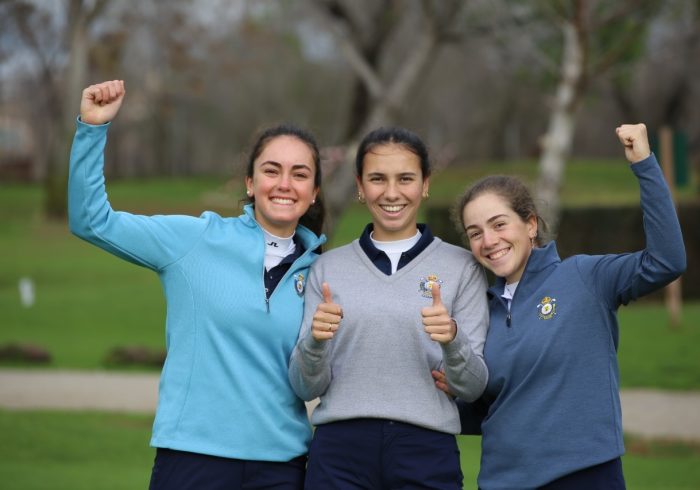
point(88, 302)
point(87, 450)
point(653, 355)
point(74, 451)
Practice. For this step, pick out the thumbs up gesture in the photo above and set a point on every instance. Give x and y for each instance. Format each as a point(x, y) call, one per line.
point(437, 321)
point(327, 316)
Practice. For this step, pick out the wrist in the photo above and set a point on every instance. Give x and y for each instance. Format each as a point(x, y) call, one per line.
point(453, 329)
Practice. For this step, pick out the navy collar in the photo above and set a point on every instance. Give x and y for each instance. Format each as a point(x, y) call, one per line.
point(298, 251)
point(381, 260)
point(275, 275)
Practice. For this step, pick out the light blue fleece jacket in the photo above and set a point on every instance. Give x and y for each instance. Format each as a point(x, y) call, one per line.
point(554, 381)
point(224, 388)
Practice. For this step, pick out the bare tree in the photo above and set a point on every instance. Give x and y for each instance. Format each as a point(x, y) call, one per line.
point(364, 33)
point(595, 35)
point(61, 84)
point(675, 40)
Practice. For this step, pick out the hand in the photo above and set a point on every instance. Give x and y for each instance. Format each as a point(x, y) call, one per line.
point(327, 317)
point(634, 138)
point(437, 321)
point(100, 103)
point(441, 381)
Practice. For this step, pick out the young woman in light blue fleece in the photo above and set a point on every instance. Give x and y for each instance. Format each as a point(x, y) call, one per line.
point(227, 416)
point(380, 314)
point(552, 407)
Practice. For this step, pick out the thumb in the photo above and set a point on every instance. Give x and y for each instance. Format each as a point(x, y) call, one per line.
point(327, 296)
point(437, 298)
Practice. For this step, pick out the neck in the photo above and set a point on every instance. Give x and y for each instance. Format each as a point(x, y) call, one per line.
point(283, 231)
point(387, 236)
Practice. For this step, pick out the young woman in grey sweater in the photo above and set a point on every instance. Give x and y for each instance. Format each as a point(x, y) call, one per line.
point(380, 314)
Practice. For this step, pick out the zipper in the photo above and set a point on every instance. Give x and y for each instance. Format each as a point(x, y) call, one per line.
point(504, 303)
point(509, 317)
point(289, 272)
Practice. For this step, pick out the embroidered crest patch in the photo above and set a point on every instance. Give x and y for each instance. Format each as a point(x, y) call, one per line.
point(426, 285)
point(299, 283)
point(547, 308)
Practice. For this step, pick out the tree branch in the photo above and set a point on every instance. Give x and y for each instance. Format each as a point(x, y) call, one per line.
point(339, 19)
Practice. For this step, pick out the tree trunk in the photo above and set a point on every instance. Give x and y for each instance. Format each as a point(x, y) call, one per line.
point(342, 181)
point(80, 15)
point(387, 101)
point(55, 204)
point(557, 141)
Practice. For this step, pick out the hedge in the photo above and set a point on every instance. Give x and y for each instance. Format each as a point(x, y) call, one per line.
point(599, 230)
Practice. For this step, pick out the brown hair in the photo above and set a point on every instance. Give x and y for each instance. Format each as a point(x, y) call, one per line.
point(393, 135)
point(314, 216)
point(513, 191)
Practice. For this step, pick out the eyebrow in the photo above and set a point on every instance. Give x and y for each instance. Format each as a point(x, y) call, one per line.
point(402, 174)
point(295, 166)
point(490, 220)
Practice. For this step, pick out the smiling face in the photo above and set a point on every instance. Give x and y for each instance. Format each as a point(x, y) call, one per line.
point(392, 184)
point(499, 239)
point(282, 184)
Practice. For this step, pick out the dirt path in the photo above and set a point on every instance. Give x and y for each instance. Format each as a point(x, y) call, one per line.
point(646, 413)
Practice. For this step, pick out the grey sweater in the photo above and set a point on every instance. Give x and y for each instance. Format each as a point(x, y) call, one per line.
point(379, 362)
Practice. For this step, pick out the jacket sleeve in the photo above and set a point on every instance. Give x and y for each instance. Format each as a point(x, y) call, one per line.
point(310, 363)
point(149, 241)
point(621, 278)
point(463, 358)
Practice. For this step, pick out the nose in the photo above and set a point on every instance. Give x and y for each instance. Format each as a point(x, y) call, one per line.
point(391, 191)
point(490, 238)
point(284, 182)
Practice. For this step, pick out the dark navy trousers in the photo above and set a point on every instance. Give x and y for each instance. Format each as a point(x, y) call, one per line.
point(604, 476)
point(181, 470)
point(378, 454)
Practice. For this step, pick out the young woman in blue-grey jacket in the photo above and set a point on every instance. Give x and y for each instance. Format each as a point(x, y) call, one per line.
point(553, 417)
point(227, 416)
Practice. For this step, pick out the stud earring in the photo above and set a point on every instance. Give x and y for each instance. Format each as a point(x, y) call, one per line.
point(249, 193)
point(360, 197)
point(426, 195)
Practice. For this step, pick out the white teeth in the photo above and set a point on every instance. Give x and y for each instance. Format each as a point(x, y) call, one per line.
point(392, 209)
point(280, 200)
point(499, 254)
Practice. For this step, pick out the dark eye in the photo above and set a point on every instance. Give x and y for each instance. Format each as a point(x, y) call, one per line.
point(474, 235)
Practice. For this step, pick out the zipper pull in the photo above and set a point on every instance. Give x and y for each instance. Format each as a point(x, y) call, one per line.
point(267, 300)
point(508, 319)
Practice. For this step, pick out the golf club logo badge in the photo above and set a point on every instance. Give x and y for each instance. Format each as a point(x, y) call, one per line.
point(299, 283)
point(547, 308)
point(426, 285)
